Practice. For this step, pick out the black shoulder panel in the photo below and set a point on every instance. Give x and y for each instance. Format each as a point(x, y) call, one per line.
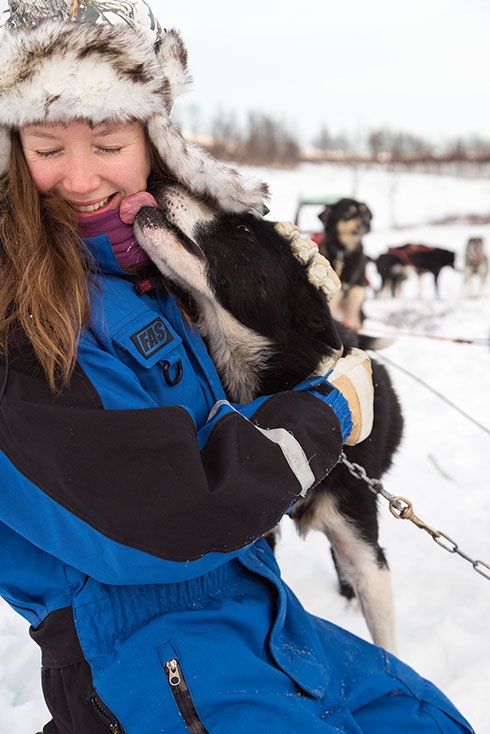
point(138, 476)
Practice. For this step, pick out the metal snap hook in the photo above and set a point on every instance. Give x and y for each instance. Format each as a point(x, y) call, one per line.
point(166, 373)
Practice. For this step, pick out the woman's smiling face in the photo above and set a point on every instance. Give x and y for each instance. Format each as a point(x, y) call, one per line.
point(93, 169)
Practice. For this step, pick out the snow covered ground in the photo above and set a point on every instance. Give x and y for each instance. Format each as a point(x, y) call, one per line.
point(442, 604)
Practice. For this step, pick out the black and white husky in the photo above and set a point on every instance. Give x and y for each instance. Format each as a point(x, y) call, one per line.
point(267, 327)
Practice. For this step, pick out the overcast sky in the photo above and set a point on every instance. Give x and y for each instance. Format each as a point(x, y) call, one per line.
point(421, 66)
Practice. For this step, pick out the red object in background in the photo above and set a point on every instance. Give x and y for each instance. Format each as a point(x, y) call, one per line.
point(317, 237)
point(404, 251)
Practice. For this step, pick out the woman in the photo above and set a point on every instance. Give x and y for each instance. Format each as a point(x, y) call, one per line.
point(133, 494)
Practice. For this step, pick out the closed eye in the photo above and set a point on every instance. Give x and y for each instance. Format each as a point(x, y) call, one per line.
point(49, 153)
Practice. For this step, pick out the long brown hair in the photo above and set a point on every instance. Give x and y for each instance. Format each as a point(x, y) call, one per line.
point(44, 271)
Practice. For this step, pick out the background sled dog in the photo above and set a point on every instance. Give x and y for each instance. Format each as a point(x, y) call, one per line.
point(475, 264)
point(393, 265)
point(345, 223)
point(267, 328)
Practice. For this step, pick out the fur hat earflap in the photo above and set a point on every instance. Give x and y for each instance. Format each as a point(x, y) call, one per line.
point(62, 60)
point(172, 57)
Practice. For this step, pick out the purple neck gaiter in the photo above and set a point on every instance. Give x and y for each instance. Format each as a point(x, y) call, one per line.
point(121, 236)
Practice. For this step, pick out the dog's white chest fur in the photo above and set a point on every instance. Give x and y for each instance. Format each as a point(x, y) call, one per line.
point(238, 353)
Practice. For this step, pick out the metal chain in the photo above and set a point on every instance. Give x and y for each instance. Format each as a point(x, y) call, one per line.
point(402, 509)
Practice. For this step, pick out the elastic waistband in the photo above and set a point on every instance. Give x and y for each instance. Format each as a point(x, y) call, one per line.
point(117, 611)
point(103, 615)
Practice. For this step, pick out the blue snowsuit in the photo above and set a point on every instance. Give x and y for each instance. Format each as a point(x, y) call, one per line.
point(130, 526)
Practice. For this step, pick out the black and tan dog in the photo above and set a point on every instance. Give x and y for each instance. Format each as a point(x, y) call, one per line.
point(393, 272)
point(475, 264)
point(345, 223)
point(393, 266)
point(267, 327)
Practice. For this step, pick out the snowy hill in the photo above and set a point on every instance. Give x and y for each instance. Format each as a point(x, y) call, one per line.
point(442, 604)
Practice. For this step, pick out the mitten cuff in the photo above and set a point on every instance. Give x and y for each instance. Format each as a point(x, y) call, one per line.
point(333, 397)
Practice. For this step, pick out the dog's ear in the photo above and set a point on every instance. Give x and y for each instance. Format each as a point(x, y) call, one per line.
point(324, 215)
point(366, 210)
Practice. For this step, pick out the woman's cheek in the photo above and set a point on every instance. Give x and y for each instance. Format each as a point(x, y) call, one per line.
point(44, 177)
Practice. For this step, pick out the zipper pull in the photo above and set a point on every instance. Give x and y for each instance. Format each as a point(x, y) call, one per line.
point(173, 672)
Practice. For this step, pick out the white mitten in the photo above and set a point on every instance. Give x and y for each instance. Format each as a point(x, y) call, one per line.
point(352, 375)
point(320, 272)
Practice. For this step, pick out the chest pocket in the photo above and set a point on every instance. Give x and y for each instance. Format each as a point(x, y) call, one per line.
point(150, 340)
point(149, 345)
point(145, 340)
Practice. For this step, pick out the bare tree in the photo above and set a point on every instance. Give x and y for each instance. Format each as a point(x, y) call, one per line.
point(268, 142)
point(377, 143)
point(264, 140)
point(457, 150)
point(226, 135)
point(479, 147)
point(323, 141)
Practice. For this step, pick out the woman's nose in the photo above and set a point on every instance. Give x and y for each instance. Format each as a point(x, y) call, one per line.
point(81, 175)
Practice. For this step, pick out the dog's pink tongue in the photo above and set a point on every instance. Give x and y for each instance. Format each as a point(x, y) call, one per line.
point(131, 205)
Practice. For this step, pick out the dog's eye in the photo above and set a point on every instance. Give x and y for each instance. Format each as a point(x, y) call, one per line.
point(244, 228)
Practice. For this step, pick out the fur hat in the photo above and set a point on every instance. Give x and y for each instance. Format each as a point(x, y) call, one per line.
point(63, 60)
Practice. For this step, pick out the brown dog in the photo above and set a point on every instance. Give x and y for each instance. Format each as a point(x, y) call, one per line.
point(345, 223)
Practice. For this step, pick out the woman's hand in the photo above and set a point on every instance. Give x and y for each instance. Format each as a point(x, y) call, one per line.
point(352, 376)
